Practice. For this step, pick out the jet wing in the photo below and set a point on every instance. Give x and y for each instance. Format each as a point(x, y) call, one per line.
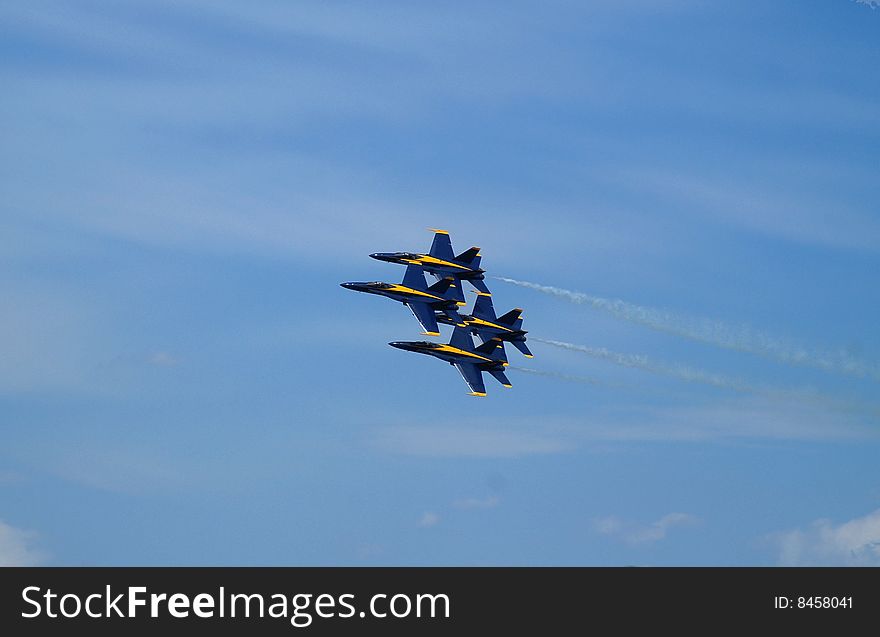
point(425, 316)
point(473, 377)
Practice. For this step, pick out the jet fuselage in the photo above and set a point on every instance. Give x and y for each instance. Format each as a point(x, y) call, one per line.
point(434, 265)
point(449, 353)
point(490, 328)
point(401, 293)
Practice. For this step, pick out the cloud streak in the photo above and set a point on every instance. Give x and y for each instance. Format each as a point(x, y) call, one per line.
point(822, 543)
point(466, 442)
point(16, 547)
point(651, 533)
point(738, 338)
point(738, 417)
point(477, 503)
point(428, 519)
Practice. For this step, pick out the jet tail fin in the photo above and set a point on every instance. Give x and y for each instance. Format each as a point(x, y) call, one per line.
point(441, 247)
point(414, 277)
point(461, 338)
point(483, 307)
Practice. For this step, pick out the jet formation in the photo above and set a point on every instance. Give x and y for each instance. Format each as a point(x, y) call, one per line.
point(441, 302)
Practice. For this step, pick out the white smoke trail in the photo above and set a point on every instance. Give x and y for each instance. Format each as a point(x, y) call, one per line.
point(639, 361)
point(739, 338)
point(802, 395)
point(574, 379)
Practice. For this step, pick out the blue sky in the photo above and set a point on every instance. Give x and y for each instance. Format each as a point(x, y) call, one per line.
point(184, 185)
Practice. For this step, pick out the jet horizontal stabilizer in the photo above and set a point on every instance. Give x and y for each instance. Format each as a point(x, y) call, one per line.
point(479, 283)
point(470, 258)
point(456, 319)
point(500, 377)
point(521, 346)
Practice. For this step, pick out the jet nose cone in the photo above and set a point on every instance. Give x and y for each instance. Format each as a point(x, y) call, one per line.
point(383, 256)
point(351, 286)
point(402, 345)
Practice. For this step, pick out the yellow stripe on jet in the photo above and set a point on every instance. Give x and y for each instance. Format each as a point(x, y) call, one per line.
point(402, 288)
point(477, 321)
point(427, 259)
point(454, 350)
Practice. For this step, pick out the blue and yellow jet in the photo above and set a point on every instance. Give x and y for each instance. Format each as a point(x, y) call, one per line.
point(471, 362)
point(441, 261)
point(443, 297)
point(483, 322)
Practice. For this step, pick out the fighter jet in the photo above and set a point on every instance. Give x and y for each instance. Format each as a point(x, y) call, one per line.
point(441, 260)
point(471, 362)
point(444, 296)
point(483, 322)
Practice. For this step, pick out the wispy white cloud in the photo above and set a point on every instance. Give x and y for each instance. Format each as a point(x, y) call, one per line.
point(162, 358)
point(50, 339)
point(17, 547)
point(874, 4)
point(155, 358)
point(369, 551)
point(466, 442)
point(822, 543)
point(745, 418)
point(128, 469)
point(293, 70)
point(740, 417)
point(613, 526)
point(428, 519)
point(477, 503)
point(10, 477)
point(779, 211)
